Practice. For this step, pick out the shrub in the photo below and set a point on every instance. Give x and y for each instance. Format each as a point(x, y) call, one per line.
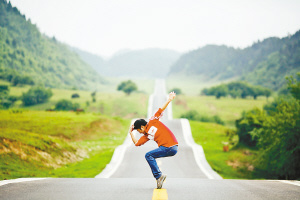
point(93, 94)
point(237, 89)
point(4, 90)
point(75, 95)
point(5, 103)
point(194, 115)
point(279, 143)
point(191, 115)
point(176, 90)
point(22, 80)
point(36, 95)
point(64, 104)
point(249, 121)
point(127, 86)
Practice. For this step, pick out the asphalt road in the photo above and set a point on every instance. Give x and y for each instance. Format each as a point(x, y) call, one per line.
point(142, 188)
point(133, 179)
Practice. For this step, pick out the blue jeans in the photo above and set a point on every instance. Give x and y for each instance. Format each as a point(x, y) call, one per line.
point(158, 153)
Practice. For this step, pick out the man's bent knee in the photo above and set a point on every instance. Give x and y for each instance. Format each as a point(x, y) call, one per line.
point(148, 156)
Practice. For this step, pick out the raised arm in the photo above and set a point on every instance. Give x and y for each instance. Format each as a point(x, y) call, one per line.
point(172, 96)
point(134, 140)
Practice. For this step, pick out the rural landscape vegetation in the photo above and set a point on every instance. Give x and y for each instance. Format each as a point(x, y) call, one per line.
point(64, 110)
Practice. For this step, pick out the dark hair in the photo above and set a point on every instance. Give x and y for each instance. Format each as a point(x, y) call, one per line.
point(138, 123)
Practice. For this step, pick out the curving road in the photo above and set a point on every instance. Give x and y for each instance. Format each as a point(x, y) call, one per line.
point(128, 176)
point(182, 165)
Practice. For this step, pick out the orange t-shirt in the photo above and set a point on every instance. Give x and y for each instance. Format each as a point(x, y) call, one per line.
point(157, 131)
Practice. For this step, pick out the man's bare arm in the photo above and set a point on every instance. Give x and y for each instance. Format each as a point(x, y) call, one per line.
point(172, 96)
point(131, 134)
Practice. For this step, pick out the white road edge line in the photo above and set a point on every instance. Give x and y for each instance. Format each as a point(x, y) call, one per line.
point(19, 180)
point(119, 152)
point(116, 159)
point(198, 151)
point(290, 182)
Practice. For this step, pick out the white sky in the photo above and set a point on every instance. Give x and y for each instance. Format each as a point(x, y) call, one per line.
point(104, 27)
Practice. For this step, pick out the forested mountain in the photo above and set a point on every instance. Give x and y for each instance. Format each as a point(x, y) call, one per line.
point(264, 63)
point(24, 51)
point(147, 63)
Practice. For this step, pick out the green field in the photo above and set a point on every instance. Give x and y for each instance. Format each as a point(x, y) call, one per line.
point(112, 104)
point(237, 163)
point(39, 143)
point(227, 109)
point(57, 144)
point(192, 85)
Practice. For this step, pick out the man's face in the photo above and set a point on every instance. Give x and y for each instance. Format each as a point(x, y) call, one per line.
point(141, 130)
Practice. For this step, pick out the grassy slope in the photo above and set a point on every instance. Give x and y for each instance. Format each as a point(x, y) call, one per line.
point(39, 143)
point(237, 163)
point(88, 139)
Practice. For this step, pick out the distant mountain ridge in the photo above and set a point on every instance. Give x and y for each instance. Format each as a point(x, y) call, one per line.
point(264, 63)
point(26, 52)
point(146, 63)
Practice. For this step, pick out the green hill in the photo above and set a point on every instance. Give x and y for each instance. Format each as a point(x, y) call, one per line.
point(24, 51)
point(264, 63)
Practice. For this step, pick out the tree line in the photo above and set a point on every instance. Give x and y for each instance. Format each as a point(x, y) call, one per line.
point(237, 90)
point(275, 132)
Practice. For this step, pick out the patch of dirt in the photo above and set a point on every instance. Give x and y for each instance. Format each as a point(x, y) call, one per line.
point(235, 164)
point(15, 148)
point(247, 153)
point(250, 167)
point(131, 115)
point(182, 103)
point(26, 152)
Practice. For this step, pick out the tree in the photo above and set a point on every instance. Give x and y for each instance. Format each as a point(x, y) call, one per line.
point(36, 95)
point(279, 143)
point(294, 86)
point(94, 96)
point(64, 104)
point(276, 134)
point(4, 90)
point(127, 86)
point(249, 121)
point(176, 90)
point(75, 95)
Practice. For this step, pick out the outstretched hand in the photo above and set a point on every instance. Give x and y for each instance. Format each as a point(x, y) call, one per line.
point(172, 95)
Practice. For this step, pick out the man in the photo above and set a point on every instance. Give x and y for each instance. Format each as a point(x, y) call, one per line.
point(157, 131)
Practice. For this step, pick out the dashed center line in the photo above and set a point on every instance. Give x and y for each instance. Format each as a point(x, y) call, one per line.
point(160, 194)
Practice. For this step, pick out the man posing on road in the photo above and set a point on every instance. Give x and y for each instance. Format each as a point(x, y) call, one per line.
point(157, 131)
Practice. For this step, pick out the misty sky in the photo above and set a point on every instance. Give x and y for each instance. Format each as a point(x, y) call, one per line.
point(104, 27)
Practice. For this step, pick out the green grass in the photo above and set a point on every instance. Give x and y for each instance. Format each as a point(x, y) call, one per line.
point(192, 85)
point(57, 144)
point(234, 164)
point(112, 104)
point(36, 143)
point(227, 109)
